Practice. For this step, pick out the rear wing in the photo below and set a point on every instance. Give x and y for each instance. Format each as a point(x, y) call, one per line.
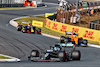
point(24, 23)
point(70, 33)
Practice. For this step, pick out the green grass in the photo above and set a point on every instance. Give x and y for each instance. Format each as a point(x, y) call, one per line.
point(44, 29)
point(2, 57)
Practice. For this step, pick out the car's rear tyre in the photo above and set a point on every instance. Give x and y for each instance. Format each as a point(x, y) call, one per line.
point(19, 27)
point(62, 38)
point(80, 40)
point(62, 56)
point(85, 41)
point(23, 31)
point(39, 30)
point(76, 55)
point(35, 53)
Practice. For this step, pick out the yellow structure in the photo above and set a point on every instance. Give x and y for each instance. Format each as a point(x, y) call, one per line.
point(48, 14)
point(85, 33)
point(37, 23)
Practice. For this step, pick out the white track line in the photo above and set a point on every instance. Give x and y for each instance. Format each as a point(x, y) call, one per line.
point(12, 59)
point(45, 8)
point(51, 3)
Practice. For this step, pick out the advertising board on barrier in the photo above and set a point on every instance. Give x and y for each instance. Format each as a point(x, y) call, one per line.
point(89, 34)
point(37, 23)
point(56, 26)
point(86, 33)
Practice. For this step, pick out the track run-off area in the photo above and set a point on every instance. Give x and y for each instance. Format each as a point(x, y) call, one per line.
point(19, 45)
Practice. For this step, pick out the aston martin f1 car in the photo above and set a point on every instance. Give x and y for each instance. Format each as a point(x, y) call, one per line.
point(73, 37)
point(26, 28)
point(60, 52)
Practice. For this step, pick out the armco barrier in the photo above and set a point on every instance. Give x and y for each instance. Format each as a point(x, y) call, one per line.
point(86, 33)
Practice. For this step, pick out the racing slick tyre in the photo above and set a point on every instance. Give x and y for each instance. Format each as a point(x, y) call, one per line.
point(39, 30)
point(62, 56)
point(35, 53)
point(76, 55)
point(23, 31)
point(80, 40)
point(85, 41)
point(62, 38)
point(19, 27)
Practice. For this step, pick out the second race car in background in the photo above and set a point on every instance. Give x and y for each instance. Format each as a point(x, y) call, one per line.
point(28, 28)
point(73, 37)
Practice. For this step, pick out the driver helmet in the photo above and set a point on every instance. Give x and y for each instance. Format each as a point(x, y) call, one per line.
point(57, 48)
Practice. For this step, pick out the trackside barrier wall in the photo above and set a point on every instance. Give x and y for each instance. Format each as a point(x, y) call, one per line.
point(86, 33)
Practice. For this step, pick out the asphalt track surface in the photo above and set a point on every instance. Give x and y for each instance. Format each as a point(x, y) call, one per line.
point(18, 44)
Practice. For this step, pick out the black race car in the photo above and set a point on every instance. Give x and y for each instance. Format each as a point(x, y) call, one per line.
point(28, 29)
point(58, 52)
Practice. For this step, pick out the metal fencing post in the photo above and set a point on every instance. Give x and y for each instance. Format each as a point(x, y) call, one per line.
point(97, 21)
point(77, 7)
